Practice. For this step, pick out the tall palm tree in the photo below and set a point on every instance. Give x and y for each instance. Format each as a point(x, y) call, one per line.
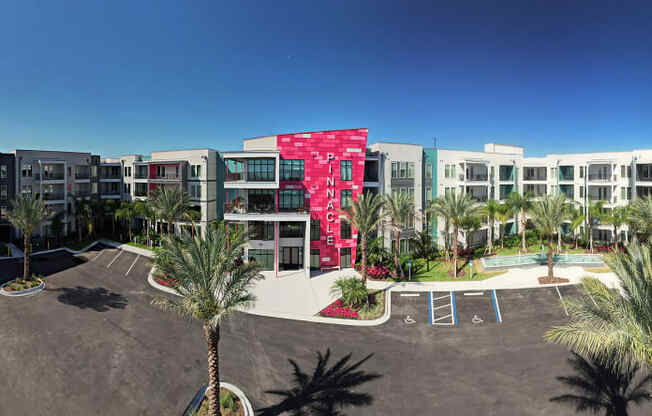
point(27, 214)
point(213, 283)
point(424, 246)
point(601, 387)
point(491, 210)
point(364, 216)
point(454, 208)
point(144, 209)
point(576, 218)
point(520, 204)
point(604, 321)
point(503, 214)
point(398, 209)
point(470, 222)
point(596, 215)
point(82, 215)
point(170, 204)
point(548, 215)
point(110, 206)
point(617, 217)
point(126, 213)
point(641, 215)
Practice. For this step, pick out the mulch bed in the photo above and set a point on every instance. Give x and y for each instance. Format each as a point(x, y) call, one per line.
point(544, 280)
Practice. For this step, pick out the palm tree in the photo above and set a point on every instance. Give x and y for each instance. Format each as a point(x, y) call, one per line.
point(126, 213)
point(596, 215)
point(491, 210)
point(364, 216)
point(170, 204)
point(503, 214)
point(576, 218)
point(604, 321)
point(470, 222)
point(424, 246)
point(520, 204)
point(110, 206)
point(27, 214)
point(454, 208)
point(641, 215)
point(192, 216)
point(548, 215)
point(398, 209)
point(213, 283)
point(602, 387)
point(618, 217)
point(144, 209)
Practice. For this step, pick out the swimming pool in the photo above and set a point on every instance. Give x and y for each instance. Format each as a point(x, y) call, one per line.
point(532, 259)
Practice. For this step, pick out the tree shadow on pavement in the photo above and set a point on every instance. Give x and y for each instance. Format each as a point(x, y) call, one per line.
point(98, 299)
point(326, 392)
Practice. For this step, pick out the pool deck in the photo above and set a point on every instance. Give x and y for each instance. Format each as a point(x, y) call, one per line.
point(537, 259)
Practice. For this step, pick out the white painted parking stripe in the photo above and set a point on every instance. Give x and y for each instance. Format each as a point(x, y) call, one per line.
point(443, 306)
point(473, 293)
point(593, 300)
point(409, 295)
point(562, 300)
point(114, 259)
point(441, 297)
point(98, 255)
point(443, 317)
point(132, 264)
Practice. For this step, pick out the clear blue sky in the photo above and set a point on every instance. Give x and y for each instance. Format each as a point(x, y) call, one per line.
point(117, 77)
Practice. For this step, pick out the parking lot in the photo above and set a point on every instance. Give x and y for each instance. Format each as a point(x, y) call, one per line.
point(92, 343)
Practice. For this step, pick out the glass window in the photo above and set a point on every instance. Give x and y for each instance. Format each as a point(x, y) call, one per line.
point(290, 199)
point(291, 230)
point(410, 171)
point(27, 170)
point(428, 194)
point(291, 170)
point(447, 171)
point(403, 170)
point(428, 170)
point(345, 198)
point(345, 257)
point(315, 230)
point(263, 257)
point(345, 170)
point(581, 171)
point(3, 171)
point(314, 258)
point(345, 230)
point(261, 230)
point(3, 191)
point(394, 169)
point(261, 170)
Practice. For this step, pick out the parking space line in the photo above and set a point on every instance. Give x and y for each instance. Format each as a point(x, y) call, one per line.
point(494, 299)
point(132, 264)
point(441, 297)
point(562, 300)
point(453, 308)
point(114, 259)
point(430, 311)
point(98, 255)
point(592, 300)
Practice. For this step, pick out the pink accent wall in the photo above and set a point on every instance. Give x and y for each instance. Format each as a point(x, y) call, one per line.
point(314, 148)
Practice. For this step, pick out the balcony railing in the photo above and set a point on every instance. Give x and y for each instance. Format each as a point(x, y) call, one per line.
point(53, 196)
point(52, 176)
point(141, 175)
point(477, 177)
point(82, 175)
point(234, 177)
point(598, 177)
point(140, 193)
point(260, 208)
point(167, 176)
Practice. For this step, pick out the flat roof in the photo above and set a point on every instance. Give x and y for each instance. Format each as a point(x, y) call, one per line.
point(304, 132)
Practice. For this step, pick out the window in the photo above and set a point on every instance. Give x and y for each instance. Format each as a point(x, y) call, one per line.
point(345, 170)
point(291, 258)
point(315, 230)
point(403, 170)
point(410, 170)
point(263, 257)
point(581, 171)
point(452, 171)
point(345, 257)
point(27, 170)
point(291, 170)
point(261, 230)
point(127, 171)
point(290, 199)
point(449, 191)
point(314, 258)
point(3, 212)
point(195, 191)
point(26, 190)
point(428, 170)
point(345, 230)
point(447, 171)
point(428, 194)
point(3, 191)
point(394, 170)
point(345, 198)
point(195, 171)
point(581, 187)
point(291, 230)
point(403, 246)
point(127, 188)
point(3, 171)
point(626, 193)
point(261, 170)
point(629, 171)
point(623, 171)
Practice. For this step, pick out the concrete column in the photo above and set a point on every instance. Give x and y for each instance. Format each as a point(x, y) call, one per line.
point(306, 249)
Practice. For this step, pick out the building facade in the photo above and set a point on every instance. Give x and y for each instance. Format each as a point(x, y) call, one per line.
point(286, 192)
point(7, 193)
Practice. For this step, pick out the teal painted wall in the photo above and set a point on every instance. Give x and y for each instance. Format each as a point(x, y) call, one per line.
point(430, 161)
point(219, 183)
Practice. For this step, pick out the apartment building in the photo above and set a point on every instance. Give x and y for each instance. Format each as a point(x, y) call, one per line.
point(285, 192)
point(198, 172)
point(7, 193)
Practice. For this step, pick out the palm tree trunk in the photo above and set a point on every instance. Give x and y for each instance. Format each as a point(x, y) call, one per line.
point(523, 223)
point(550, 257)
point(502, 236)
point(399, 270)
point(147, 225)
point(363, 247)
point(212, 340)
point(591, 238)
point(491, 236)
point(79, 230)
point(455, 250)
point(26, 258)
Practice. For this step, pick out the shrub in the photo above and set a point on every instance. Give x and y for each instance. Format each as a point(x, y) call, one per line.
point(378, 272)
point(227, 401)
point(354, 291)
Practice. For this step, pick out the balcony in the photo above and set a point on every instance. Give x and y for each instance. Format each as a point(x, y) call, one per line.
point(477, 172)
point(478, 193)
point(566, 173)
point(82, 175)
point(599, 193)
point(505, 190)
point(534, 174)
point(644, 172)
point(251, 170)
point(53, 196)
point(166, 176)
point(506, 173)
point(600, 173)
point(567, 190)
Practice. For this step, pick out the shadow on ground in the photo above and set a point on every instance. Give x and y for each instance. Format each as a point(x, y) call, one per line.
point(99, 299)
point(327, 391)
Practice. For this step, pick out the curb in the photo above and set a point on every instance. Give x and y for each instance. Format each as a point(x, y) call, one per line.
point(194, 404)
point(25, 292)
point(155, 285)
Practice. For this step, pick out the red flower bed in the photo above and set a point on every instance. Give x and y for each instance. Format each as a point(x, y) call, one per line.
point(338, 310)
point(165, 281)
point(378, 272)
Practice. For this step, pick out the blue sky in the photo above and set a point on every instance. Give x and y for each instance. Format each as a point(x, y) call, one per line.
point(131, 77)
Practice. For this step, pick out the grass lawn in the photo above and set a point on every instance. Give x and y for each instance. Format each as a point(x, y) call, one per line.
point(605, 269)
point(439, 273)
point(134, 244)
point(512, 251)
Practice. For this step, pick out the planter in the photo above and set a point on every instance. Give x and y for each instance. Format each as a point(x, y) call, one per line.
point(23, 292)
point(196, 401)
